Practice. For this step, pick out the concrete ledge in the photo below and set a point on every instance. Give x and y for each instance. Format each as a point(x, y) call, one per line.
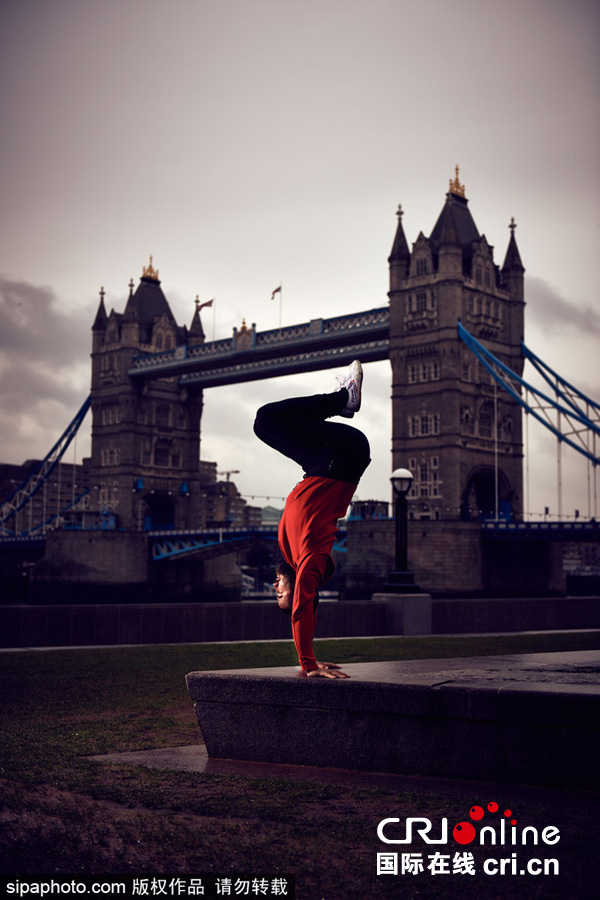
point(530, 719)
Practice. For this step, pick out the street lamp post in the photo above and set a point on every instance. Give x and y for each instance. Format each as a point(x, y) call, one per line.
point(401, 580)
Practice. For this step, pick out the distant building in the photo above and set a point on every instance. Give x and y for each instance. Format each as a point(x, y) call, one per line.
point(369, 509)
point(69, 499)
point(66, 490)
point(270, 516)
point(220, 504)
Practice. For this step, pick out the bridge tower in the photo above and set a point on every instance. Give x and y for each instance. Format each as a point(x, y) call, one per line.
point(451, 428)
point(145, 433)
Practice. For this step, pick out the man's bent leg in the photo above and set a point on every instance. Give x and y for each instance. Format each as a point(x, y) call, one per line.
point(297, 427)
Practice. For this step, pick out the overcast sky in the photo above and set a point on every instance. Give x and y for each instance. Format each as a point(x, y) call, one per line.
point(248, 143)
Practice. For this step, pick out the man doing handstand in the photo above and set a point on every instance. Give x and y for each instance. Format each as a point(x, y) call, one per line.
point(333, 456)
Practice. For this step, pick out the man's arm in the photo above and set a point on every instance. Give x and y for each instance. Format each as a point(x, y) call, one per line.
point(309, 577)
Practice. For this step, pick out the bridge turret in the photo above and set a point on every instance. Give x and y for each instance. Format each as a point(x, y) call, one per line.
point(196, 333)
point(101, 317)
point(98, 338)
point(513, 269)
point(130, 326)
point(399, 258)
point(513, 281)
point(99, 326)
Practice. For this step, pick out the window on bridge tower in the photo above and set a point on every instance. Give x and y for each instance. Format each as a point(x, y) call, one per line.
point(424, 425)
point(161, 456)
point(506, 427)
point(483, 374)
point(468, 421)
point(485, 423)
point(163, 416)
point(110, 456)
point(111, 415)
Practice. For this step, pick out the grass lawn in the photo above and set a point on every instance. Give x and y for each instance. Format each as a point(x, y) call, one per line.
point(63, 813)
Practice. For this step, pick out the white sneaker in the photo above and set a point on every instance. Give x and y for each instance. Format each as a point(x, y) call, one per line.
point(353, 384)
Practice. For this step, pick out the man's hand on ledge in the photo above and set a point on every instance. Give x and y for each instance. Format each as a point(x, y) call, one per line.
point(327, 670)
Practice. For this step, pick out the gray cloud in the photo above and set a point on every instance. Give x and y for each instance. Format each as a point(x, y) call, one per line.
point(553, 314)
point(44, 368)
point(32, 321)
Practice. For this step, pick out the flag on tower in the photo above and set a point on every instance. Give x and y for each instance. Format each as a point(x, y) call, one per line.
point(276, 291)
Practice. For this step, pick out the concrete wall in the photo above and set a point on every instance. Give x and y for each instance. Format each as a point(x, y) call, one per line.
point(488, 615)
point(107, 557)
point(526, 566)
point(179, 623)
point(176, 623)
point(200, 579)
point(446, 556)
point(85, 566)
point(443, 556)
point(452, 558)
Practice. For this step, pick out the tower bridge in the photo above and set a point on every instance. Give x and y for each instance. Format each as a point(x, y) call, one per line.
point(453, 331)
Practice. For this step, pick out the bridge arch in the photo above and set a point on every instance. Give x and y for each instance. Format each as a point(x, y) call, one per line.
point(478, 499)
point(158, 509)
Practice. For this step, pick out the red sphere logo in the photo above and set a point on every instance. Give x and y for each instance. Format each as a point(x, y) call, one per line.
point(464, 832)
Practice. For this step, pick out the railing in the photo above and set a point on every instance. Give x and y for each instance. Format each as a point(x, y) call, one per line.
point(585, 530)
